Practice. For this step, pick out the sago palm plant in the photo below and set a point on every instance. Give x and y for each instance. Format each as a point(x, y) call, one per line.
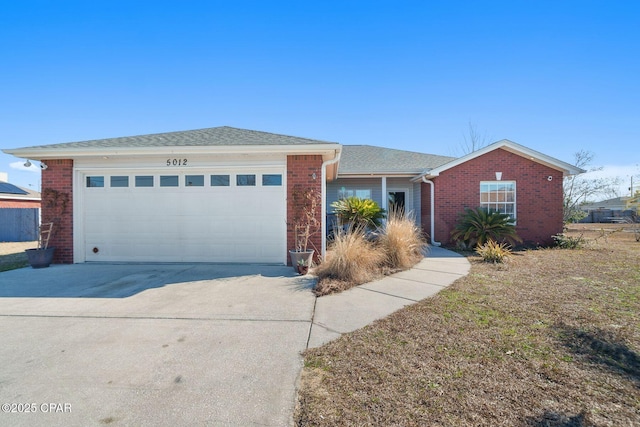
point(476, 226)
point(357, 212)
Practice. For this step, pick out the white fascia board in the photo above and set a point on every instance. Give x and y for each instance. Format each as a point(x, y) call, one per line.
point(329, 153)
point(426, 174)
point(8, 197)
point(39, 153)
point(378, 175)
point(521, 150)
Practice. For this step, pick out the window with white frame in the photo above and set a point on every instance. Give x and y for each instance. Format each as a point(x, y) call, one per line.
point(361, 193)
point(499, 196)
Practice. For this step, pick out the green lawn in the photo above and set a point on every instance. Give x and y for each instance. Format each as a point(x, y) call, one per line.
point(13, 261)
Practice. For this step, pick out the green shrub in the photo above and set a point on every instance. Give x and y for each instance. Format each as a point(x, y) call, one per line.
point(351, 260)
point(476, 226)
point(563, 241)
point(357, 212)
point(493, 251)
point(402, 241)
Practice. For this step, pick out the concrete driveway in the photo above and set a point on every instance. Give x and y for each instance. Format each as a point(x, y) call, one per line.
point(166, 344)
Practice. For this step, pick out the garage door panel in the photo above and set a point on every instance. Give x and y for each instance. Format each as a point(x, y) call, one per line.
point(200, 224)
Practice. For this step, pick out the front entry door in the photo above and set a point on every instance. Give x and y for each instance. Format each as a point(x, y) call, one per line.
point(396, 201)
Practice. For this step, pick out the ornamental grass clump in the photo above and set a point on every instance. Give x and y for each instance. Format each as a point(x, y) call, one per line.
point(493, 251)
point(351, 260)
point(402, 241)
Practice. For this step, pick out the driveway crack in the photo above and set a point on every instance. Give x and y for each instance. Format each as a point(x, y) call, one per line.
point(313, 315)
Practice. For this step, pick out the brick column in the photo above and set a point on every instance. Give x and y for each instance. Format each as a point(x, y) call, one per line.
point(300, 177)
point(59, 177)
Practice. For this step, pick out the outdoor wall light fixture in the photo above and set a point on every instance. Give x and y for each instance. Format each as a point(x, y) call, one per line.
point(498, 176)
point(28, 164)
point(313, 175)
point(550, 178)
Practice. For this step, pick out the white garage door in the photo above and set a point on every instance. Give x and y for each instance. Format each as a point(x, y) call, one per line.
point(185, 216)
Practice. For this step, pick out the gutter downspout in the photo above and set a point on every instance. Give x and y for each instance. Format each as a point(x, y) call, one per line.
point(323, 192)
point(432, 213)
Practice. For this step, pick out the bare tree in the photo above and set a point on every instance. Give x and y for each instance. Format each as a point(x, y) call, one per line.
point(474, 140)
point(579, 189)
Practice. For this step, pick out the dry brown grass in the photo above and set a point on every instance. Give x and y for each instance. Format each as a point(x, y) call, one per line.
point(402, 241)
point(352, 260)
point(550, 339)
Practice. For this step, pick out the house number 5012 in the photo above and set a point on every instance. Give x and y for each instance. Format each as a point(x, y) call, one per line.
point(176, 162)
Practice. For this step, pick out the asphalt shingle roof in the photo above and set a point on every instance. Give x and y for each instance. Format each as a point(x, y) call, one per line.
point(355, 159)
point(217, 136)
point(367, 159)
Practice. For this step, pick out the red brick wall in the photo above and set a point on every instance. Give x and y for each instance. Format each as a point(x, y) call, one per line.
point(538, 200)
point(20, 204)
point(300, 170)
point(59, 176)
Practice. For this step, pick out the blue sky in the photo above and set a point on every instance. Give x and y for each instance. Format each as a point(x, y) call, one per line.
point(554, 76)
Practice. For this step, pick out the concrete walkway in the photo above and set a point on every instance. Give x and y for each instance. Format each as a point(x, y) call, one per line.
point(350, 310)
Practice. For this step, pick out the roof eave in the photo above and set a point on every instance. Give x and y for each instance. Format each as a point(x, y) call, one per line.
point(426, 175)
point(17, 197)
point(40, 153)
point(566, 168)
point(377, 174)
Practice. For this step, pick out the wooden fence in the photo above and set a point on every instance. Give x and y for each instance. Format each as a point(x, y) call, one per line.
point(19, 225)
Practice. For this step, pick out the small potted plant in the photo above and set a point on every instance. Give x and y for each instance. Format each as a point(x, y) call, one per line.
point(303, 266)
point(55, 204)
point(305, 224)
